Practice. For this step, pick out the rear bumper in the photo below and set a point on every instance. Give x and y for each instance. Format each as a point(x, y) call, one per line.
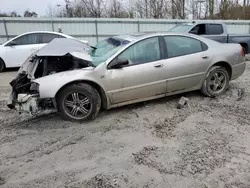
point(238, 70)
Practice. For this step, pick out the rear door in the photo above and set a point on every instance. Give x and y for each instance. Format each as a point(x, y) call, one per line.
point(45, 38)
point(186, 62)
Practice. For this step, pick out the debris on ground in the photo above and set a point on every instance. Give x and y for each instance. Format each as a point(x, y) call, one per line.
point(206, 144)
point(182, 102)
point(1, 181)
point(101, 181)
point(141, 155)
point(241, 93)
point(134, 112)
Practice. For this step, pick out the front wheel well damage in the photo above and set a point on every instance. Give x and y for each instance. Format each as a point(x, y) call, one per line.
point(2, 64)
point(104, 102)
point(226, 66)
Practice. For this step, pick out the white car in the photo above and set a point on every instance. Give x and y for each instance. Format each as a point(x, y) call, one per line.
point(14, 52)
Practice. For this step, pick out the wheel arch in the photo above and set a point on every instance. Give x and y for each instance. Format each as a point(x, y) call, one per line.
point(100, 90)
point(226, 65)
point(4, 64)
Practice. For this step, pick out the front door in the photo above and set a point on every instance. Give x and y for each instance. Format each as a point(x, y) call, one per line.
point(20, 49)
point(142, 78)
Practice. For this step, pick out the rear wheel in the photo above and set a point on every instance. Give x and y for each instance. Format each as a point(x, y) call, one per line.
point(216, 82)
point(2, 65)
point(78, 102)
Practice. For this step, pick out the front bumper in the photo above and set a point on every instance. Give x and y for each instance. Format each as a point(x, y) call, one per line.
point(28, 103)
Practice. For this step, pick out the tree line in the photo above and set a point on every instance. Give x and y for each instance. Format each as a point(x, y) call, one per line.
point(168, 9)
point(157, 9)
point(27, 13)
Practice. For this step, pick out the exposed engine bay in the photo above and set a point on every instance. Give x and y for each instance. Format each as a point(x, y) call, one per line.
point(25, 92)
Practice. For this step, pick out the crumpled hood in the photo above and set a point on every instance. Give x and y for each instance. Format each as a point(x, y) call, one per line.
point(50, 84)
point(57, 47)
point(69, 73)
point(63, 46)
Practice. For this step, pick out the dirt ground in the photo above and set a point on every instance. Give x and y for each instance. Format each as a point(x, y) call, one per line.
point(206, 144)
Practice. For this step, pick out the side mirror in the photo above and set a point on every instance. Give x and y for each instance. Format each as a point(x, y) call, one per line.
point(120, 63)
point(11, 43)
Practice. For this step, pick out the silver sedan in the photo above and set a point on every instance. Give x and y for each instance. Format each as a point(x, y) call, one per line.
point(128, 69)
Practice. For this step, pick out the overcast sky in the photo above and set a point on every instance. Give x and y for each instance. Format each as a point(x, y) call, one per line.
point(38, 6)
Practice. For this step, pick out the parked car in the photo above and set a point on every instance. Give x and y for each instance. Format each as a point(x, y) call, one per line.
point(78, 80)
point(14, 52)
point(214, 31)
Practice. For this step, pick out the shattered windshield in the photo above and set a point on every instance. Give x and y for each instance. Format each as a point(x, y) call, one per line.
point(105, 49)
point(180, 28)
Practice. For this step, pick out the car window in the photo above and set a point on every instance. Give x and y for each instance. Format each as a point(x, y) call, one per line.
point(106, 48)
point(215, 29)
point(26, 39)
point(179, 46)
point(199, 29)
point(48, 37)
point(180, 28)
point(144, 51)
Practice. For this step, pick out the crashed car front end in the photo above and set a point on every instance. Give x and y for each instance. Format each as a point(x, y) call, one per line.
point(58, 56)
point(25, 93)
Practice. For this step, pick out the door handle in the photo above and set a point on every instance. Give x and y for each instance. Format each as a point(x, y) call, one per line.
point(205, 57)
point(158, 65)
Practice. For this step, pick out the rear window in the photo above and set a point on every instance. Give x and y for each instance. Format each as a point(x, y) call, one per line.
point(180, 28)
point(180, 46)
point(48, 37)
point(215, 29)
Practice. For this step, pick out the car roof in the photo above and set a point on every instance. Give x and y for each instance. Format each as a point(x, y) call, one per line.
point(137, 35)
point(133, 37)
point(142, 35)
point(32, 32)
point(49, 32)
point(202, 22)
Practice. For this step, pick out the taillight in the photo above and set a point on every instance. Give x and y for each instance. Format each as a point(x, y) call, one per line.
point(242, 51)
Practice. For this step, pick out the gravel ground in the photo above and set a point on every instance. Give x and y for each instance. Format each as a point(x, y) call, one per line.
point(206, 144)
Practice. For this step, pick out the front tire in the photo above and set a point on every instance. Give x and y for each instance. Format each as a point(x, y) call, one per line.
point(216, 82)
point(2, 65)
point(78, 102)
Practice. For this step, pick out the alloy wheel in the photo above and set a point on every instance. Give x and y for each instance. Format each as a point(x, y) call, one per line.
point(217, 82)
point(77, 105)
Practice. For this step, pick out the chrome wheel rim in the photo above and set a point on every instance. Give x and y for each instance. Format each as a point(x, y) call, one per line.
point(77, 105)
point(217, 82)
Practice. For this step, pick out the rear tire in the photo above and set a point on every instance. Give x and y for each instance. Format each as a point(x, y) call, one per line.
point(2, 65)
point(78, 102)
point(216, 82)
